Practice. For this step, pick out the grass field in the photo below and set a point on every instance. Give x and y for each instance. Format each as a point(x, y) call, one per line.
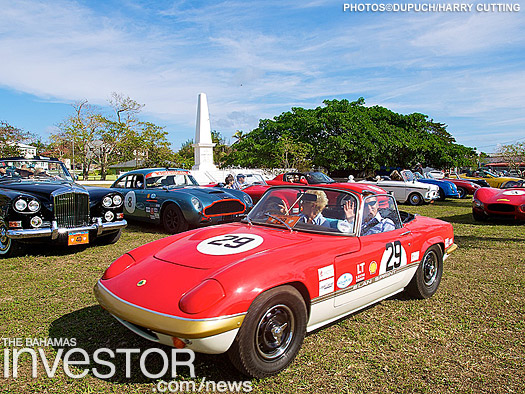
point(468, 338)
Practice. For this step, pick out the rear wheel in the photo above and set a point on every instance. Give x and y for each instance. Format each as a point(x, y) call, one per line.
point(426, 280)
point(462, 192)
point(272, 333)
point(172, 220)
point(415, 199)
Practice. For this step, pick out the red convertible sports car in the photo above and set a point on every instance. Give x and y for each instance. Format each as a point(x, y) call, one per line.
point(499, 203)
point(304, 257)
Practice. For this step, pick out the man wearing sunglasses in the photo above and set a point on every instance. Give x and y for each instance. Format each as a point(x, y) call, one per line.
point(373, 223)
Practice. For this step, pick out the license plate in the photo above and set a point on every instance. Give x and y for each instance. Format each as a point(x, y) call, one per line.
point(78, 238)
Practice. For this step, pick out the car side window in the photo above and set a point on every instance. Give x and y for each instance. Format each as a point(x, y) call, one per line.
point(380, 215)
point(121, 184)
point(139, 181)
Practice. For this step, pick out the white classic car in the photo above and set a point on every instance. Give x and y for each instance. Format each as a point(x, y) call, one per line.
point(408, 190)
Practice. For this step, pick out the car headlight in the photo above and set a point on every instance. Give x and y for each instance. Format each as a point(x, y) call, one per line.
point(109, 216)
point(201, 297)
point(33, 205)
point(196, 203)
point(117, 200)
point(36, 221)
point(107, 202)
point(20, 205)
point(247, 199)
point(477, 204)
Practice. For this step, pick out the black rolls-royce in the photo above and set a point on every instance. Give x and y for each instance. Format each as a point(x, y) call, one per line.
point(40, 202)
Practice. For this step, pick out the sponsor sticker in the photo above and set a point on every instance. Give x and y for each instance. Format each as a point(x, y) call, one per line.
point(394, 256)
point(130, 201)
point(414, 256)
point(229, 244)
point(165, 173)
point(345, 280)
point(372, 268)
point(360, 272)
point(326, 286)
point(326, 272)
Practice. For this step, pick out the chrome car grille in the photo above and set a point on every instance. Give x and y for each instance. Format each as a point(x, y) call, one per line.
point(225, 207)
point(71, 210)
point(500, 208)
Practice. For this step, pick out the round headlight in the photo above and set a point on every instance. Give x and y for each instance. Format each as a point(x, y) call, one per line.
point(247, 199)
point(109, 216)
point(20, 205)
point(117, 200)
point(196, 203)
point(36, 221)
point(33, 205)
point(107, 201)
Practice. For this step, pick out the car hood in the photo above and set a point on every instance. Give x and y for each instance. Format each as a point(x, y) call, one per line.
point(42, 189)
point(515, 196)
point(217, 246)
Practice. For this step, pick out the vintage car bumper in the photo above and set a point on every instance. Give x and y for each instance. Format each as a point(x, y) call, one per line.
point(430, 196)
point(212, 335)
point(54, 231)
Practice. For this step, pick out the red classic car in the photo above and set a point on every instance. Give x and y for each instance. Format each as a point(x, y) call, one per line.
point(499, 203)
point(301, 178)
point(304, 257)
point(464, 187)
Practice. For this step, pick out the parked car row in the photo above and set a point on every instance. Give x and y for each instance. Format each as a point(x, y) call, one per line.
point(310, 252)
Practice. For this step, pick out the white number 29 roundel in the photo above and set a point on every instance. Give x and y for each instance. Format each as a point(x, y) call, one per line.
point(229, 244)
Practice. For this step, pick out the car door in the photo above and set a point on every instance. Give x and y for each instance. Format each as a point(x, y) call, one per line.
point(379, 268)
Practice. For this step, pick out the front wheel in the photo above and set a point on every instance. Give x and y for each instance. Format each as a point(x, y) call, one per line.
point(415, 199)
point(172, 220)
point(8, 246)
point(272, 333)
point(479, 217)
point(441, 195)
point(462, 192)
point(428, 275)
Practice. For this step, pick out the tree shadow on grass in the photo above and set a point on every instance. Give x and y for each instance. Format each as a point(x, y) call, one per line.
point(94, 328)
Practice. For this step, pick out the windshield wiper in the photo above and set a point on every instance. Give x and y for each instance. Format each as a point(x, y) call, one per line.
point(268, 214)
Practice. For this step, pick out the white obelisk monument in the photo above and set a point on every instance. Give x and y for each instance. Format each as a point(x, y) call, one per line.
point(203, 144)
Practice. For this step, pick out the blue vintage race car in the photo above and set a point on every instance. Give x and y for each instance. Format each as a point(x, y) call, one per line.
point(173, 198)
point(446, 188)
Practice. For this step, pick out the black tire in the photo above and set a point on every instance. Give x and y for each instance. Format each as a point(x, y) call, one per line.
point(441, 195)
point(8, 247)
point(109, 239)
point(172, 220)
point(479, 217)
point(272, 333)
point(462, 192)
point(415, 199)
point(426, 280)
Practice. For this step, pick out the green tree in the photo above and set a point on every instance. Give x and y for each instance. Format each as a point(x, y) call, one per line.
point(513, 154)
point(10, 137)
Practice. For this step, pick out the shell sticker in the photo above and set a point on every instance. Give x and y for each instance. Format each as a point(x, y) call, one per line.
point(130, 201)
point(226, 244)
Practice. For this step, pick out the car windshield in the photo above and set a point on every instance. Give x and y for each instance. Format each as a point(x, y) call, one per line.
point(170, 178)
point(408, 176)
point(307, 209)
point(315, 178)
point(253, 179)
point(34, 169)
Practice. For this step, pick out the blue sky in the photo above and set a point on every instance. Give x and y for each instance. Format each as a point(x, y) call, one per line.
point(257, 59)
